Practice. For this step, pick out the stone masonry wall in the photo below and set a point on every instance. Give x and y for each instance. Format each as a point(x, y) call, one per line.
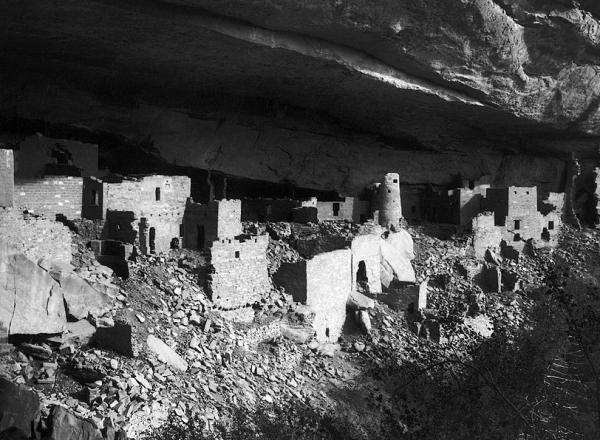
point(229, 218)
point(328, 285)
point(200, 225)
point(464, 205)
point(238, 271)
point(7, 177)
point(274, 210)
point(486, 235)
point(157, 203)
point(523, 221)
point(50, 196)
point(35, 237)
point(553, 220)
point(350, 209)
point(366, 248)
point(139, 195)
point(205, 223)
point(92, 198)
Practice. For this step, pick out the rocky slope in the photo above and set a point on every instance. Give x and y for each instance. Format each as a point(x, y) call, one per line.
point(160, 355)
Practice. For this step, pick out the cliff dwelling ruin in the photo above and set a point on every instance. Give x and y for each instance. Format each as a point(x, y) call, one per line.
point(276, 219)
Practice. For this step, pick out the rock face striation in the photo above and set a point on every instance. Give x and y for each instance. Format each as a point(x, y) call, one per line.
point(31, 302)
point(80, 297)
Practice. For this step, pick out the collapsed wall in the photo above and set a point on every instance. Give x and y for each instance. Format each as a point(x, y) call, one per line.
point(36, 237)
point(324, 284)
point(366, 263)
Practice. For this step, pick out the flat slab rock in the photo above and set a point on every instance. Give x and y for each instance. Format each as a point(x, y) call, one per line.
point(31, 302)
point(166, 354)
point(81, 298)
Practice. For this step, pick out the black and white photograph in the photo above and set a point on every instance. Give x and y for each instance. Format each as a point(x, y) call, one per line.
point(299, 219)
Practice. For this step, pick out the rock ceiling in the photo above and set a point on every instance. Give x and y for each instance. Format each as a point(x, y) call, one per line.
point(433, 75)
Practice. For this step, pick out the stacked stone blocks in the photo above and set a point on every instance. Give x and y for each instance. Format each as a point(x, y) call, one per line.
point(238, 271)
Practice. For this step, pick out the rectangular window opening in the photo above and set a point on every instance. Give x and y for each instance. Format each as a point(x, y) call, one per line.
point(517, 224)
point(551, 225)
point(237, 254)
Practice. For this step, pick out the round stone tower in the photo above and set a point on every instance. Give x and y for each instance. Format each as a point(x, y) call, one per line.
point(390, 209)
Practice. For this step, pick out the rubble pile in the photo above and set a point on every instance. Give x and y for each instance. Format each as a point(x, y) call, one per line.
point(160, 349)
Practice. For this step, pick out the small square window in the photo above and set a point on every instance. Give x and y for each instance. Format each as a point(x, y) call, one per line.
point(395, 180)
point(237, 254)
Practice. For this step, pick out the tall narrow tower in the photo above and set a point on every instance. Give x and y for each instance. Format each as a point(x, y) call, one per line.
point(390, 209)
point(7, 177)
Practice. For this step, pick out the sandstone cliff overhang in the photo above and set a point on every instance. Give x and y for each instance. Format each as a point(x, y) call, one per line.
point(433, 73)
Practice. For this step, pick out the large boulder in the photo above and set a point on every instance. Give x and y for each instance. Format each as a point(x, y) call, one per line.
point(397, 251)
point(166, 354)
point(19, 408)
point(31, 302)
point(80, 332)
point(67, 426)
point(358, 301)
point(81, 298)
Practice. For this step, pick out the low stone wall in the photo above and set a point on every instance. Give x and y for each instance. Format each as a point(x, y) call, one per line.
point(36, 237)
point(256, 334)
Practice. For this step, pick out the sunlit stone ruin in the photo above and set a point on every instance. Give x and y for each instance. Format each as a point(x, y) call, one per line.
point(300, 220)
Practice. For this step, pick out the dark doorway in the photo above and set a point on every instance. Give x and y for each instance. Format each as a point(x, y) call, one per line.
point(200, 236)
point(517, 224)
point(362, 279)
point(336, 209)
point(151, 239)
point(545, 235)
point(157, 194)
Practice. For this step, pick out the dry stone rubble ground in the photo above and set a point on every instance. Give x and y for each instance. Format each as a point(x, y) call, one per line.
point(182, 356)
